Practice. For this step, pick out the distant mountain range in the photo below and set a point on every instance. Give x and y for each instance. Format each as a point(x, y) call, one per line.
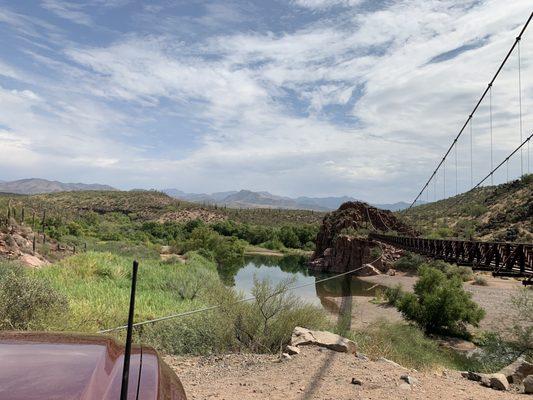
point(39, 186)
point(250, 199)
point(233, 199)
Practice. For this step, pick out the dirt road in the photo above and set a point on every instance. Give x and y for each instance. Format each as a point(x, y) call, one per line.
point(318, 374)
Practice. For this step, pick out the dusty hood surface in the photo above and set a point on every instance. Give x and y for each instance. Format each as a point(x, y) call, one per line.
point(37, 366)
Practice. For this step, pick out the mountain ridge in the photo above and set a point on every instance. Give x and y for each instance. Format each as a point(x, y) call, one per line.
point(263, 199)
point(42, 186)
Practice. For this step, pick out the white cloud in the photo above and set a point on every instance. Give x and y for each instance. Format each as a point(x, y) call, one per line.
point(264, 100)
point(68, 10)
point(324, 4)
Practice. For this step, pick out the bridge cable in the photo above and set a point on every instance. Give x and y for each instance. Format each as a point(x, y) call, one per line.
point(491, 151)
point(209, 308)
point(471, 153)
point(520, 107)
point(504, 161)
point(456, 173)
point(476, 106)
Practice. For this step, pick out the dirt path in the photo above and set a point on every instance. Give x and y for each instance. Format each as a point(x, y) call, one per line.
point(317, 374)
point(494, 298)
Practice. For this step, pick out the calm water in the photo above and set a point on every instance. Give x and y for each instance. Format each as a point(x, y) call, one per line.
point(278, 269)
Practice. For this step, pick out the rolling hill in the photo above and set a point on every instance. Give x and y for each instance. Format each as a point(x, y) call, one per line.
point(38, 186)
point(500, 213)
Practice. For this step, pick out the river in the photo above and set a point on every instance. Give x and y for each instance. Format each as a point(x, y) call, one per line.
point(278, 269)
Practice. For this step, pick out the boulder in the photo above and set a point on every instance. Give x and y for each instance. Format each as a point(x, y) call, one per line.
point(409, 379)
point(518, 370)
point(302, 336)
point(285, 356)
point(528, 384)
point(495, 381)
point(292, 350)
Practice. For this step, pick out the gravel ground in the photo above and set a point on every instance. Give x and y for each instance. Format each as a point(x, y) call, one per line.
point(318, 373)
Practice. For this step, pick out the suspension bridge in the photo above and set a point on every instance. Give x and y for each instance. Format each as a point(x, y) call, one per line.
point(502, 259)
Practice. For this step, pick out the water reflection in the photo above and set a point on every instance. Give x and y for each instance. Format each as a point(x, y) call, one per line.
point(332, 294)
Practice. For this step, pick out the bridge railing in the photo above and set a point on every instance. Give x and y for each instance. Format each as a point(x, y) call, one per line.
point(502, 259)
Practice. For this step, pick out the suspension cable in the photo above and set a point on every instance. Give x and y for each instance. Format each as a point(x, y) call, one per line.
point(504, 161)
point(444, 178)
point(491, 146)
point(475, 107)
point(456, 173)
point(471, 154)
point(520, 107)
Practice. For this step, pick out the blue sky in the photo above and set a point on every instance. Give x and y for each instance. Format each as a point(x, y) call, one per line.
point(297, 97)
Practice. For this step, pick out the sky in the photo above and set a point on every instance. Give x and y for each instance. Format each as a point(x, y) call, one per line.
point(296, 97)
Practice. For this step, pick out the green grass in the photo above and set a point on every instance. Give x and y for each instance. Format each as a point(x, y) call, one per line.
point(408, 346)
point(97, 286)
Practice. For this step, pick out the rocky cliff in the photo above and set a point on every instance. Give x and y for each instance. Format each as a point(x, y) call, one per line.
point(342, 242)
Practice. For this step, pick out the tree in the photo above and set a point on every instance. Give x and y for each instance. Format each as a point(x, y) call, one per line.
point(440, 304)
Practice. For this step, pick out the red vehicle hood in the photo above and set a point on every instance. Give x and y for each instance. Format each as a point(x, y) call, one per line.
point(38, 366)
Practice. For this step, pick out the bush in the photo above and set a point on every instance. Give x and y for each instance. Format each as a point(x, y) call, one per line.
point(410, 262)
point(440, 304)
point(480, 281)
point(25, 301)
point(408, 346)
point(393, 294)
point(261, 325)
point(522, 328)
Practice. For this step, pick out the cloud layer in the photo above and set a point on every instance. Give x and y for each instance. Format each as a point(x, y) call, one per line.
point(344, 97)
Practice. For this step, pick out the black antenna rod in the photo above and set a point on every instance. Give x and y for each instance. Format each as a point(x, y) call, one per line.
point(127, 352)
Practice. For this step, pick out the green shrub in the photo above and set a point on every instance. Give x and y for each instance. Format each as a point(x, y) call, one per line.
point(27, 302)
point(410, 262)
point(464, 273)
point(522, 313)
point(393, 294)
point(273, 244)
point(261, 325)
point(480, 281)
point(439, 304)
point(474, 210)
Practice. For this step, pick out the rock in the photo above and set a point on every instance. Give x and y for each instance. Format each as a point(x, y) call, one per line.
point(356, 381)
point(391, 272)
point(339, 252)
point(518, 370)
point(404, 386)
point(362, 357)
point(528, 384)
point(495, 381)
point(369, 270)
point(292, 350)
point(409, 379)
point(302, 336)
point(473, 376)
point(383, 359)
point(285, 356)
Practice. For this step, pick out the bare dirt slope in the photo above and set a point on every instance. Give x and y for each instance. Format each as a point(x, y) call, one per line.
point(318, 373)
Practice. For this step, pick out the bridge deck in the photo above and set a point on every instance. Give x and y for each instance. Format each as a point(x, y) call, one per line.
point(502, 259)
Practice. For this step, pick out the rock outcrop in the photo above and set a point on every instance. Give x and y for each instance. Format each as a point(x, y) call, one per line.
point(518, 370)
point(342, 242)
point(302, 336)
